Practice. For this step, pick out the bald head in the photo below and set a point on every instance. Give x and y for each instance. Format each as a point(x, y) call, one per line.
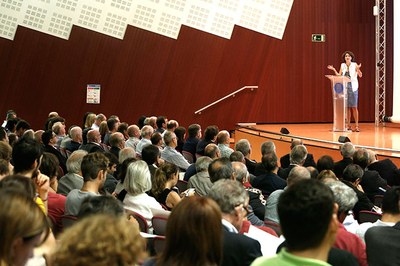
point(94, 136)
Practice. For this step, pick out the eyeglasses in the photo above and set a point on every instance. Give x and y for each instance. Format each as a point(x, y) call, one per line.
point(244, 208)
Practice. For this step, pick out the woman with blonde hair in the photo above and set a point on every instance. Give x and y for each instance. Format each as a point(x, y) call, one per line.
point(23, 226)
point(100, 239)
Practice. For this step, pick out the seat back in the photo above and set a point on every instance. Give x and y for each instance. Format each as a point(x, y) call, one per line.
point(188, 156)
point(159, 244)
point(378, 200)
point(274, 226)
point(144, 227)
point(159, 225)
point(368, 216)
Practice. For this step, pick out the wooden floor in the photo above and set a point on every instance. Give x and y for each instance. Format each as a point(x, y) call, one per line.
point(384, 140)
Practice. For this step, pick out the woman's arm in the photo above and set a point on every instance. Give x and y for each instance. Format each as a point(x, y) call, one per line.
point(334, 70)
point(359, 73)
point(173, 198)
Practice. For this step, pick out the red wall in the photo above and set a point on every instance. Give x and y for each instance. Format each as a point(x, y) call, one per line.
point(154, 75)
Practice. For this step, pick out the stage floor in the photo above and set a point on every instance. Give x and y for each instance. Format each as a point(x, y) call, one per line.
point(384, 140)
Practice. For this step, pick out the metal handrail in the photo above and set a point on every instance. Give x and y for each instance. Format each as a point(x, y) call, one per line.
point(227, 96)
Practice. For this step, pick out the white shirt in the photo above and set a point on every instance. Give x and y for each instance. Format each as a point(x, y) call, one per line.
point(365, 226)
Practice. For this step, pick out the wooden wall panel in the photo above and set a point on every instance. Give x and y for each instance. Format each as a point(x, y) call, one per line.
point(150, 74)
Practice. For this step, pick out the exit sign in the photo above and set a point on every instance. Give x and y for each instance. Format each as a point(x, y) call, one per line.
point(318, 38)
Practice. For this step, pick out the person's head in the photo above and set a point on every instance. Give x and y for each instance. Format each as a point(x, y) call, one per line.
point(313, 171)
point(347, 150)
point(3, 135)
point(211, 133)
point(11, 114)
point(112, 124)
point(58, 128)
point(117, 140)
point(124, 168)
point(49, 166)
point(156, 139)
point(20, 184)
point(268, 147)
point(240, 172)
point(220, 168)
point(141, 121)
point(133, 131)
point(180, 133)
point(233, 200)
point(325, 162)
point(326, 176)
point(353, 173)
point(295, 142)
point(21, 127)
point(49, 138)
point(296, 174)
point(100, 118)
point(76, 134)
point(23, 226)
point(344, 196)
point(167, 172)
point(372, 157)
point(5, 168)
point(103, 128)
point(223, 137)
point(94, 167)
point(361, 157)
point(298, 154)
point(94, 136)
point(212, 151)
point(105, 204)
point(153, 121)
point(170, 139)
point(270, 161)
point(391, 201)
point(123, 128)
point(112, 162)
point(89, 120)
point(137, 178)
point(150, 154)
point(100, 239)
point(172, 124)
point(193, 245)
point(74, 161)
point(202, 164)
point(307, 215)
point(194, 131)
point(244, 147)
point(237, 156)
point(5, 151)
point(126, 153)
point(348, 55)
point(146, 132)
point(161, 122)
point(26, 155)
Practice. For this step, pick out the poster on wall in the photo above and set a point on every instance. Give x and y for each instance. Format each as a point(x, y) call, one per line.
point(93, 93)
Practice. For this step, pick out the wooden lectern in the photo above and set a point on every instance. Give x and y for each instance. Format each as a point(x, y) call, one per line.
point(339, 93)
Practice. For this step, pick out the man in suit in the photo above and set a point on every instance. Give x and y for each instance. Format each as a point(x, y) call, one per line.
point(266, 148)
point(76, 139)
point(93, 142)
point(346, 150)
point(232, 198)
point(285, 160)
point(298, 156)
point(73, 179)
point(49, 139)
point(194, 132)
point(372, 183)
point(386, 169)
point(117, 142)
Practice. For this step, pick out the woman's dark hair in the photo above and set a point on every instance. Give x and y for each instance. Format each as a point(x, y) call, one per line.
point(49, 165)
point(123, 168)
point(106, 204)
point(193, 245)
point(350, 53)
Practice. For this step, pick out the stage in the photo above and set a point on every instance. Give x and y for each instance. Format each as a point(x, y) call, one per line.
point(321, 140)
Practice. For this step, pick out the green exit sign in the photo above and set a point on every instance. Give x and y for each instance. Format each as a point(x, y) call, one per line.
point(318, 38)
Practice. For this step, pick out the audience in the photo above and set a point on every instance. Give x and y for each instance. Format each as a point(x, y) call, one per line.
point(286, 159)
point(148, 186)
